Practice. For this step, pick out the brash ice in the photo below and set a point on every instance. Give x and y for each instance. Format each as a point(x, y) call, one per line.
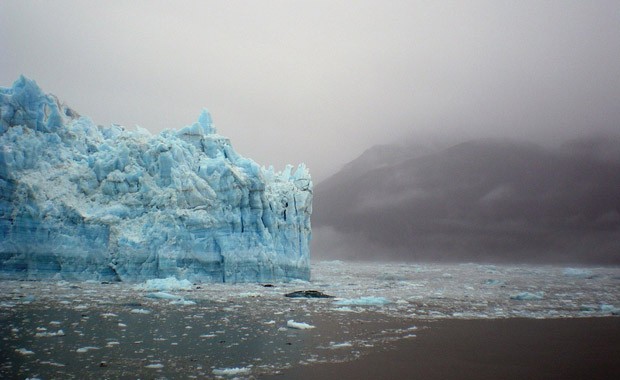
point(81, 201)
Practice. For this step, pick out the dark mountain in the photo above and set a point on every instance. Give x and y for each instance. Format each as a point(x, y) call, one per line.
point(482, 200)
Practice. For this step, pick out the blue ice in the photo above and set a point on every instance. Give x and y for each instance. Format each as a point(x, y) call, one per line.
point(81, 201)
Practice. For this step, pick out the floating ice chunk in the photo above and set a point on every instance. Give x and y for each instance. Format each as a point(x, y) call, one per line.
point(162, 296)
point(82, 350)
point(235, 371)
point(165, 284)
point(28, 299)
point(298, 325)
point(392, 277)
point(24, 351)
point(363, 301)
point(53, 364)
point(249, 295)
point(528, 296)
point(175, 300)
point(344, 309)
point(340, 345)
point(605, 308)
point(154, 366)
point(299, 281)
point(182, 302)
point(588, 308)
point(45, 334)
point(577, 272)
point(140, 311)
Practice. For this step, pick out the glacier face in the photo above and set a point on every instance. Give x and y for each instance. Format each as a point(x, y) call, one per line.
point(80, 201)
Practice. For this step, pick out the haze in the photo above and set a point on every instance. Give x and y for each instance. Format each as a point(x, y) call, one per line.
point(320, 81)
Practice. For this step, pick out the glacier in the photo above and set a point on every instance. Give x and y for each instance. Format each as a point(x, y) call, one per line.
point(80, 201)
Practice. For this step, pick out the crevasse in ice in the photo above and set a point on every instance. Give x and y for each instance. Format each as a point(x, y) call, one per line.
point(80, 201)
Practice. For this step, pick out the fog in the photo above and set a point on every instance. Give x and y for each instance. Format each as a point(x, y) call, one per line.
point(321, 81)
point(483, 200)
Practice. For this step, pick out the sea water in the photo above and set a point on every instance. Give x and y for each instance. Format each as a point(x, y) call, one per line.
point(172, 329)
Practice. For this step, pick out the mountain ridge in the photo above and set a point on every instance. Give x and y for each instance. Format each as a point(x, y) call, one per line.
point(486, 199)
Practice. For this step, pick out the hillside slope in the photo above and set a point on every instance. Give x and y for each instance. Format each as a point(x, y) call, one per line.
point(487, 200)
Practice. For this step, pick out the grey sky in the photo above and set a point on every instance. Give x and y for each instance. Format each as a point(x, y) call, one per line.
point(320, 81)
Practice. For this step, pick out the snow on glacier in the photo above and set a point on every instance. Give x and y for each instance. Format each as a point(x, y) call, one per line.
point(81, 201)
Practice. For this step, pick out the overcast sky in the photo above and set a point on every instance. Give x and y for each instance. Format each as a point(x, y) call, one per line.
point(320, 81)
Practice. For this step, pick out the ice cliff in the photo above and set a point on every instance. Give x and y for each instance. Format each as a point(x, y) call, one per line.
point(81, 201)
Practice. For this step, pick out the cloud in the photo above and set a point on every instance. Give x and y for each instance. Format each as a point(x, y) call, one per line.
point(322, 81)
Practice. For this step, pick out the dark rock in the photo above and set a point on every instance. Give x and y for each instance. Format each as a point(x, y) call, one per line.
point(307, 294)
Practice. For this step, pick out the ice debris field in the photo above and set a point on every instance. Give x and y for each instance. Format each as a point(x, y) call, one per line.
point(80, 201)
point(171, 328)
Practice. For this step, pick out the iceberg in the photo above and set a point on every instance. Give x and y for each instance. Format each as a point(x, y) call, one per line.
point(80, 201)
